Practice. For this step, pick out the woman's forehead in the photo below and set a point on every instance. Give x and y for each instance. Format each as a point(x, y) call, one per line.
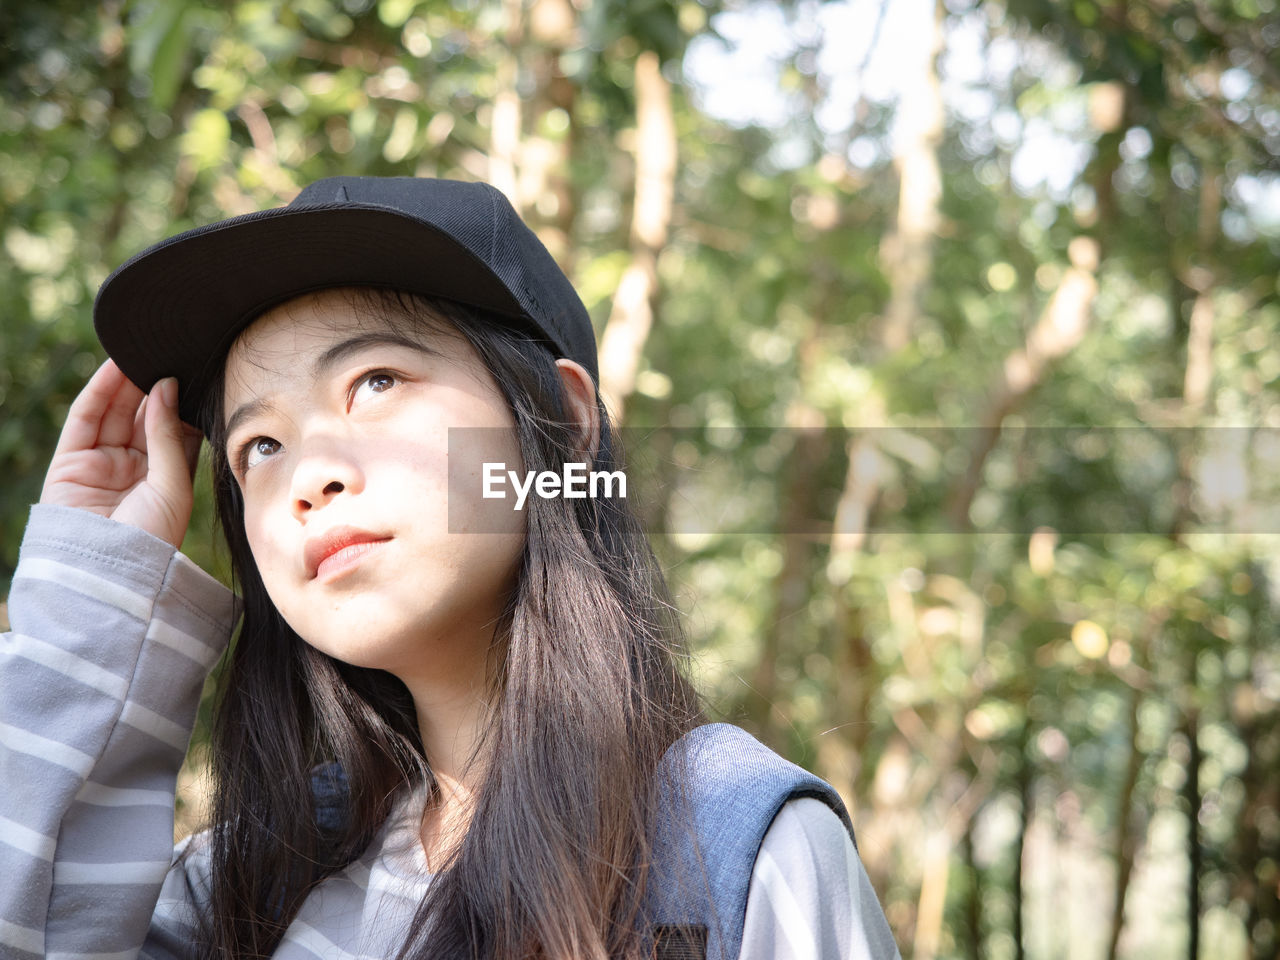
point(287, 339)
point(313, 318)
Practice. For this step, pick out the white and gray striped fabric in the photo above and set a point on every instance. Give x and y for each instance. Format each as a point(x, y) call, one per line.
point(113, 633)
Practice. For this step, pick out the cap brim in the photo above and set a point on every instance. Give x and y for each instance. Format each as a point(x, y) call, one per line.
point(175, 309)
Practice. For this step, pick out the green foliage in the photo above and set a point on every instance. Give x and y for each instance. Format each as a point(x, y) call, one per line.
point(1036, 671)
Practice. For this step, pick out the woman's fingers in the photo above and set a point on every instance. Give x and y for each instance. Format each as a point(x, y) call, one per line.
point(126, 456)
point(192, 437)
point(161, 502)
point(167, 466)
point(138, 439)
point(85, 416)
point(117, 422)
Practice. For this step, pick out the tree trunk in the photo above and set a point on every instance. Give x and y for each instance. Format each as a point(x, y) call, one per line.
point(627, 330)
point(1191, 796)
point(1197, 397)
point(1066, 317)
point(504, 133)
point(956, 799)
point(907, 252)
point(1256, 715)
point(791, 587)
point(543, 177)
point(1126, 841)
point(973, 902)
point(853, 666)
point(933, 895)
point(1256, 844)
point(1025, 812)
point(1058, 331)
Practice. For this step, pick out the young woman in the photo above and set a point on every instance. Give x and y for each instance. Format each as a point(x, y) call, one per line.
point(447, 727)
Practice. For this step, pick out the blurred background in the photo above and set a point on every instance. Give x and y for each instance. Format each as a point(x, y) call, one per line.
point(977, 302)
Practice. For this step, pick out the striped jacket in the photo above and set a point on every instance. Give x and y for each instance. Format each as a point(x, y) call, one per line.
point(113, 634)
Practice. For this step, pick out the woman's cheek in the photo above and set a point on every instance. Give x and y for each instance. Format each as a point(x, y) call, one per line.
point(265, 552)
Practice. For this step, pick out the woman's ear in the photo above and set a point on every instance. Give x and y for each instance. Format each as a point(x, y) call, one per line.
point(580, 403)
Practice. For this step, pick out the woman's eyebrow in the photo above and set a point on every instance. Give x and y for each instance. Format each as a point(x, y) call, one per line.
point(246, 411)
point(326, 362)
point(340, 351)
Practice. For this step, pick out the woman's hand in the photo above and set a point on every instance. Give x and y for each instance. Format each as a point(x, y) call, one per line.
point(126, 456)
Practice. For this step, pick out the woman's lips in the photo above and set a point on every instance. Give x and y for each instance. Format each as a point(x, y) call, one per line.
point(338, 563)
point(339, 550)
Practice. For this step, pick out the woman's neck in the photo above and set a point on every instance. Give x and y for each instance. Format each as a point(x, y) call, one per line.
point(454, 709)
point(451, 723)
point(444, 821)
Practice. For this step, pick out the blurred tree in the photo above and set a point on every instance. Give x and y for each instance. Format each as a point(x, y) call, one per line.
point(965, 362)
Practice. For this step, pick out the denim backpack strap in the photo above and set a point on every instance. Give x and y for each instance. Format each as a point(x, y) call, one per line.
point(329, 799)
point(329, 795)
point(731, 789)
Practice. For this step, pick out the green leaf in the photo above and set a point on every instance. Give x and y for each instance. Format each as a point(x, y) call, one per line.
point(394, 13)
point(206, 138)
point(158, 46)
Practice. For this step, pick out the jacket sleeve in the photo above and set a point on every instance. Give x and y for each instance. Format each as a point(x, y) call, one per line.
point(809, 893)
point(113, 634)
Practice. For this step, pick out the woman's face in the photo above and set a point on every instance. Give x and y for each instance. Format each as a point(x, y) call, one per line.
point(337, 434)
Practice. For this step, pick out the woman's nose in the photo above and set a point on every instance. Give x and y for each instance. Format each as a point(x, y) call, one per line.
point(322, 473)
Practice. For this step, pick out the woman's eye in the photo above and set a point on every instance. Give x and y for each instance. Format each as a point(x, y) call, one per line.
point(371, 383)
point(258, 450)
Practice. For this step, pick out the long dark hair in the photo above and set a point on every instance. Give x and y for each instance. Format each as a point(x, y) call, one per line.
point(588, 693)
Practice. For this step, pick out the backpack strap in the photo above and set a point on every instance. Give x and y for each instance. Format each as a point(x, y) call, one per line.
point(329, 794)
point(728, 787)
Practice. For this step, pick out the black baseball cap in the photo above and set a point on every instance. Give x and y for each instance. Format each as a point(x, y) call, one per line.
point(175, 308)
